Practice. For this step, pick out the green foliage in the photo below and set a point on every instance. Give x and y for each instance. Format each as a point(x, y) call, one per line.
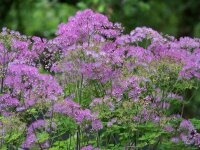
point(15, 131)
point(43, 136)
point(196, 123)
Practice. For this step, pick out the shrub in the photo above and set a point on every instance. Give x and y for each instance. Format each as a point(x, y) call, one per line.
point(93, 87)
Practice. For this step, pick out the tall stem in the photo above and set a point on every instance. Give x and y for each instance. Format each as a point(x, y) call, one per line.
point(51, 121)
point(98, 139)
point(2, 83)
point(3, 70)
point(78, 145)
point(79, 94)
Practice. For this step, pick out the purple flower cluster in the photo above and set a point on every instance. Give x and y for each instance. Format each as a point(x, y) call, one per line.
point(30, 87)
point(73, 110)
point(7, 102)
point(124, 79)
point(188, 134)
point(86, 26)
point(31, 138)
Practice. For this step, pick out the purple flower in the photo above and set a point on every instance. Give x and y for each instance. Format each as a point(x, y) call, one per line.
point(30, 141)
point(31, 138)
point(20, 45)
point(89, 147)
point(175, 139)
point(6, 101)
point(168, 128)
point(97, 125)
point(35, 86)
point(110, 123)
point(186, 124)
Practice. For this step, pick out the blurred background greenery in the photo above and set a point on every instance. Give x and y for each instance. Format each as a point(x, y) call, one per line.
point(41, 17)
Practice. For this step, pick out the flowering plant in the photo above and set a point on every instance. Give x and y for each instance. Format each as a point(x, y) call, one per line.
point(94, 87)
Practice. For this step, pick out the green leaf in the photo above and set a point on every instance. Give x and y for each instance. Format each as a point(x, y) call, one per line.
point(196, 123)
point(42, 137)
point(149, 136)
point(13, 137)
point(140, 145)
